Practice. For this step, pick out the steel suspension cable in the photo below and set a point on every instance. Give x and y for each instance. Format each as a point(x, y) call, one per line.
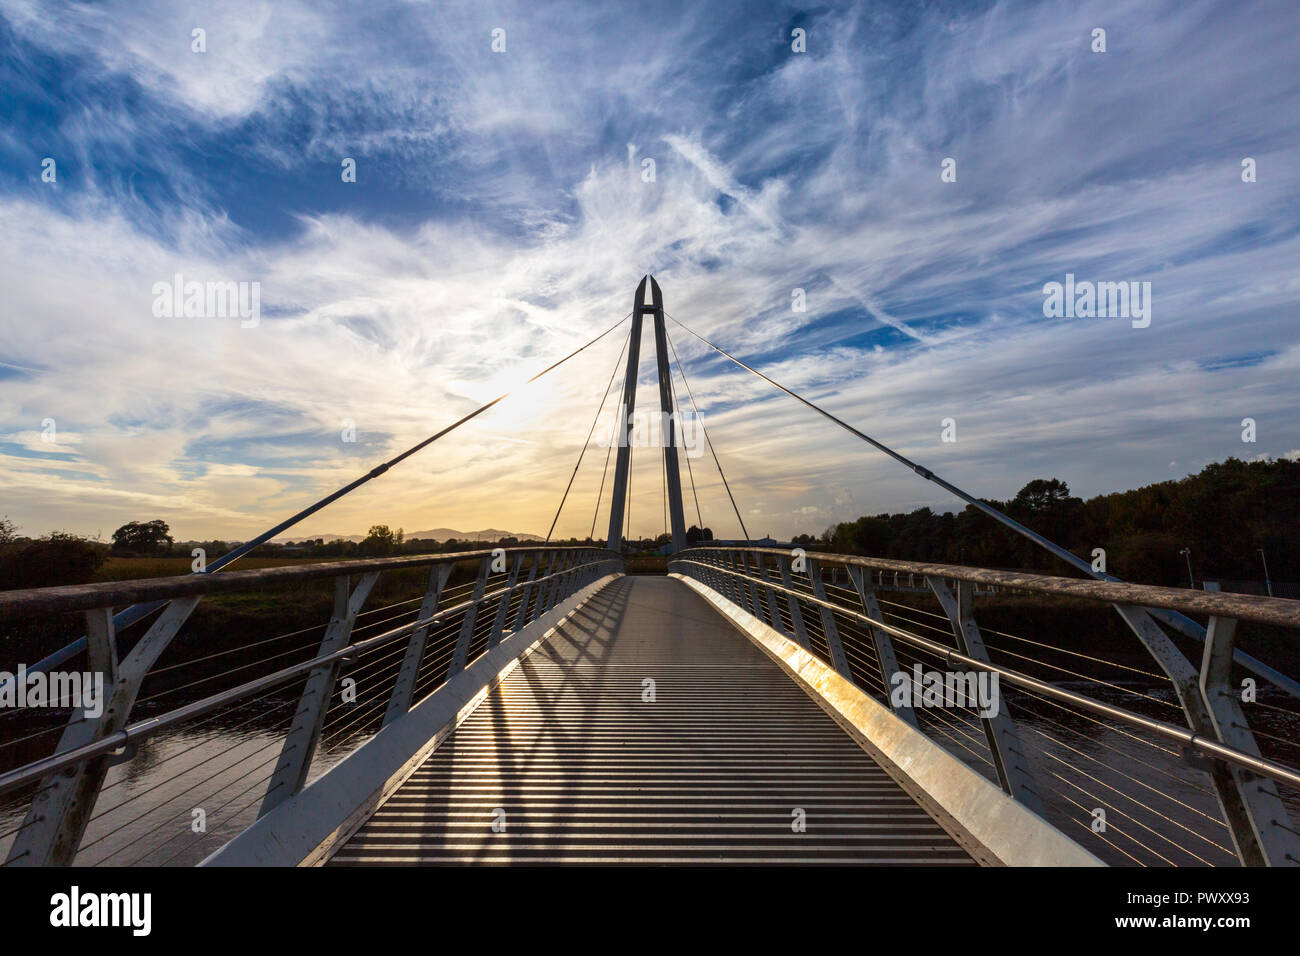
point(1180, 621)
point(709, 441)
point(599, 408)
point(603, 474)
point(135, 612)
point(672, 387)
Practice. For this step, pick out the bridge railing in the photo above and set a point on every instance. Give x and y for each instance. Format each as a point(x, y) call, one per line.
point(1142, 756)
point(197, 734)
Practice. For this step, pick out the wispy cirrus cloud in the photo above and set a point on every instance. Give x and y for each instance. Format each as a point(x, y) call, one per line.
point(497, 221)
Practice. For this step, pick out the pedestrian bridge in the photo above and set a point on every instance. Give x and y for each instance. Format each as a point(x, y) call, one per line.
point(648, 729)
point(751, 705)
point(538, 705)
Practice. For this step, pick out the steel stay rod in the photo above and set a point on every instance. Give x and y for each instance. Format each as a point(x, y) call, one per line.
point(1186, 737)
point(130, 615)
point(1175, 619)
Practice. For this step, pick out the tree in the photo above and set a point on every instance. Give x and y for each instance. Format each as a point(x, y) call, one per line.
point(143, 537)
point(56, 559)
point(1042, 495)
point(381, 540)
point(8, 530)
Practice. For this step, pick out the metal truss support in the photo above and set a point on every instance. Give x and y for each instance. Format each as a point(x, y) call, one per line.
point(56, 821)
point(838, 659)
point(886, 659)
point(552, 587)
point(404, 688)
point(1000, 730)
point(460, 656)
point(309, 719)
point(769, 595)
point(521, 618)
point(1269, 821)
point(498, 626)
point(1187, 685)
point(792, 604)
point(751, 588)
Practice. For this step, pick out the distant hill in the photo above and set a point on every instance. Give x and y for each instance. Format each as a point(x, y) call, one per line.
point(437, 534)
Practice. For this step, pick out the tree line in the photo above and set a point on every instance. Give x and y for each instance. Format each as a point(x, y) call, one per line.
point(1225, 515)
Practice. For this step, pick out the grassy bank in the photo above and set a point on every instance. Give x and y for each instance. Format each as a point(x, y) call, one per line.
point(222, 621)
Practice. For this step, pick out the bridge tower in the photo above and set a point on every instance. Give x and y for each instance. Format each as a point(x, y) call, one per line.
point(647, 302)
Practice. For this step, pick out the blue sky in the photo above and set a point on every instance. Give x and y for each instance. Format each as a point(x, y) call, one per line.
point(499, 219)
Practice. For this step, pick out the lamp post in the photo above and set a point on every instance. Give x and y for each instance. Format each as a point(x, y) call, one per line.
point(1267, 583)
point(1187, 553)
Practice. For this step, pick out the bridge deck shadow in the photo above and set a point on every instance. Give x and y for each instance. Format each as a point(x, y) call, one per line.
point(649, 730)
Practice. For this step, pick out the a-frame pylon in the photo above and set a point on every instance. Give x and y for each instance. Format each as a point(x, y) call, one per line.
point(669, 432)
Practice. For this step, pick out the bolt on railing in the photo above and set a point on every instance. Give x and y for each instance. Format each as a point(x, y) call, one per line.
point(358, 676)
point(1140, 787)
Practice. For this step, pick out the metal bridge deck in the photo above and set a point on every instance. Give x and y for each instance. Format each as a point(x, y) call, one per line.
point(572, 765)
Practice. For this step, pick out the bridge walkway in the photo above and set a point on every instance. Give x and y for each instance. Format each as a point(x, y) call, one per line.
point(648, 729)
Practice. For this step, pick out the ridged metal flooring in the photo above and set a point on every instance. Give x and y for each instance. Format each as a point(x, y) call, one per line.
point(570, 765)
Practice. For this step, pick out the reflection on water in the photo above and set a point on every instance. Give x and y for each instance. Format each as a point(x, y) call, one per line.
point(1160, 809)
point(146, 810)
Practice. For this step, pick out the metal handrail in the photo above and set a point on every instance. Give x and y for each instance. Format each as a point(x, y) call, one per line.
point(71, 778)
point(141, 730)
point(33, 602)
point(1282, 612)
point(1216, 739)
point(1181, 735)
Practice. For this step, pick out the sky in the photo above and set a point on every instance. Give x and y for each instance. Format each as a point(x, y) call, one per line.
point(503, 213)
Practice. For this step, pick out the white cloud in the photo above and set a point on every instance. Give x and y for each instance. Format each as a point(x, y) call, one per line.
point(821, 173)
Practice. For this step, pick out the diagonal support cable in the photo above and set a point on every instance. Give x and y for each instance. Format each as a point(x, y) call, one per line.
point(709, 441)
point(1179, 621)
point(603, 475)
point(129, 615)
point(672, 385)
point(599, 408)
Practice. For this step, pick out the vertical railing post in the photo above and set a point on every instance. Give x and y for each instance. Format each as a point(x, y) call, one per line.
point(1000, 730)
point(568, 583)
point(792, 604)
point(404, 687)
point(1186, 682)
point(741, 567)
point(886, 659)
point(61, 809)
point(769, 595)
point(755, 607)
point(838, 659)
point(304, 733)
point(728, 579)
point(556, 595)
point(706, 575)
point(1268, 819)
point(460, 656)
point(503, 608)
point(548, 582)
point(521, 618)
point(562, 562)
point(736, 580)
point(544, 591)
